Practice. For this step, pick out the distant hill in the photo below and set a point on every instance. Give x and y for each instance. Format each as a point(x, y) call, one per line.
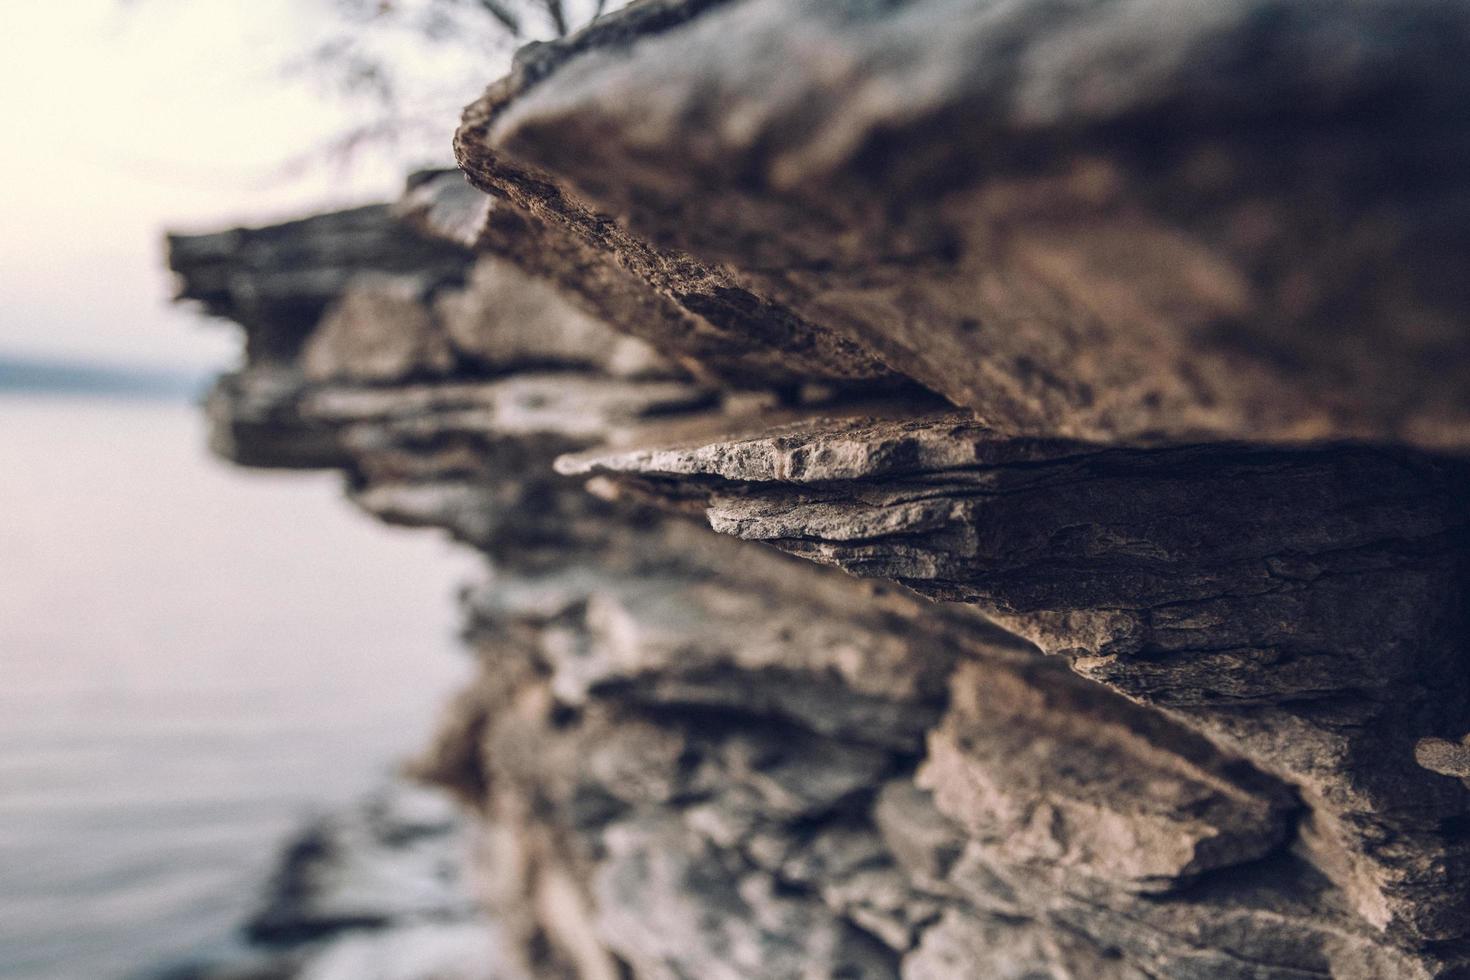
point(39, 375)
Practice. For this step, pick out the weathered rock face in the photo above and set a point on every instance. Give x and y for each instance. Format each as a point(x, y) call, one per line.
point(968, 490)
point(1205, 580)
point(278, 281)
point(1243, 219)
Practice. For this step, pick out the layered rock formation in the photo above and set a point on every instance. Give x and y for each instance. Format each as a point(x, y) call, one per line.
point(968, 490)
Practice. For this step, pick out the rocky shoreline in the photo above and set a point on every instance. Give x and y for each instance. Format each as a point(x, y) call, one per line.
point(967, 490)
point(377, 891)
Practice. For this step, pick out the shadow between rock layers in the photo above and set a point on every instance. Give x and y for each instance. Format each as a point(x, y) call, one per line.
point(1138, 653)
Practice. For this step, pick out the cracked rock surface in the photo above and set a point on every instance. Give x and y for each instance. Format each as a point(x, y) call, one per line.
point(966, 489)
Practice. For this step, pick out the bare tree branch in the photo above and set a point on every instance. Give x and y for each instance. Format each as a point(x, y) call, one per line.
point(558, 17)
point(503, 14)
point(404, 67)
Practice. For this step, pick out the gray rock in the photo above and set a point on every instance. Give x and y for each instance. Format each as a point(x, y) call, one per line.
point(1027, 515)
point(399, 857)
point(1202, 579)
point(1099, 220)
point(277, 281)
point(1050, 771)
point(964, 945)
point(377, 891)
point(378, 330)
point(507, 320)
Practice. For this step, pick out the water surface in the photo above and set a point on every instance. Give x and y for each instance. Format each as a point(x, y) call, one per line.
point(192, 658)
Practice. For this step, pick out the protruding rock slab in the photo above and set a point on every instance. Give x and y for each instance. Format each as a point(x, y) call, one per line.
point(1244, 219)
point(507, 320)
point(697, 313)
point(1053, 771)
point(745, 216)
point(379, 330)
point(1289, 603)
point(277, 281)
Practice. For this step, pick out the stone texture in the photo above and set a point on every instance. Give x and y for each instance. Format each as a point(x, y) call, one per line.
point(1103, 220)
point(277, 281)
point(1201, 579)
point(1040, 771)
point(547, 331)
point(965, 489)
point(378, 330)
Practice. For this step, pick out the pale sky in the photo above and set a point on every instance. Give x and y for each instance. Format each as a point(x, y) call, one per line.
point(123, 119)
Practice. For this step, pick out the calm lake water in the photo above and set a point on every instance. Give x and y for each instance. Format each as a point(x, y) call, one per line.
point(193, 659)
